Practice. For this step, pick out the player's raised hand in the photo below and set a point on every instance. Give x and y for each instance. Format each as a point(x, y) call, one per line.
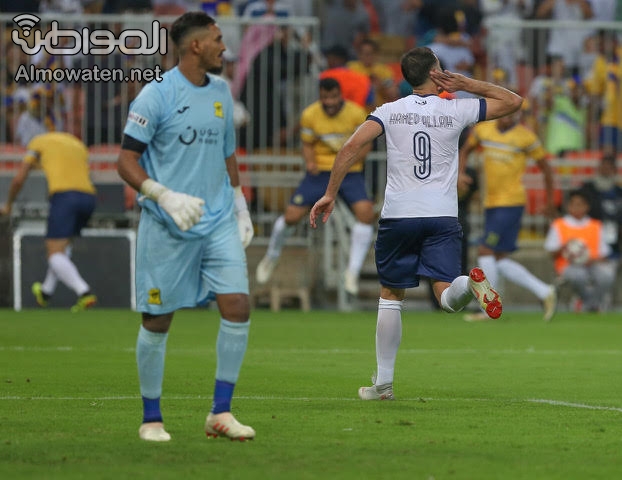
point(449, 81)
point(323, 207)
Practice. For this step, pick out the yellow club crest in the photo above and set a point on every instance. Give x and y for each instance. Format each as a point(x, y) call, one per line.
point(154, 296)
point(218, 110)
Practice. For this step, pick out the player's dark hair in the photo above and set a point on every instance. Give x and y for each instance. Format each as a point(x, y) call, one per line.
point(329, 84)
point(416, 65)
point(187, 23)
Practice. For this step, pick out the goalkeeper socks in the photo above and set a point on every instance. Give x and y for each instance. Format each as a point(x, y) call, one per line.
point(388, 338)
point(223, 393)
point(230, 349)
point(151, 410)
point(150, 351)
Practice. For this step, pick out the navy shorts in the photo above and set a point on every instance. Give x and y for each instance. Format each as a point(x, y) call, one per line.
point(69, 213)
point(501, 227)
point(407, 248)
point(313, 187)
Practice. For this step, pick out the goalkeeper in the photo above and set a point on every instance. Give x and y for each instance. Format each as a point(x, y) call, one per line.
point(178, 152)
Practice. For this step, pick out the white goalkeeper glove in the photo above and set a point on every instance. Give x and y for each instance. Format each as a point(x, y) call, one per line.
point(245, 225)
point(185, 210)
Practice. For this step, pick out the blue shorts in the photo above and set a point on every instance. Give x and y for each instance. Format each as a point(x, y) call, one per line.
point(313, 187)
point(174, 273)
point(501, 227)
point(69, 213)
point(407, 248)
point(611, 137)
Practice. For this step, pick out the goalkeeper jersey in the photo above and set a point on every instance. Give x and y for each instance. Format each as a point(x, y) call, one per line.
point(189, 133)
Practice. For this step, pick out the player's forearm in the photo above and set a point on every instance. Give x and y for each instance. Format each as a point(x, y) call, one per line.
point(232, 169)
point(130, 170)
point(490, 90)
point(343, 162)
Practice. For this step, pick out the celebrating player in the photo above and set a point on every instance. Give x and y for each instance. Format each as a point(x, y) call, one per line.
point(419, 233)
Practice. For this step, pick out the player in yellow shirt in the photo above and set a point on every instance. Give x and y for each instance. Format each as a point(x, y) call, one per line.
point(506, 146)
point(325, 126)
point(380, 74)
point(605, 83)
point(64, 161)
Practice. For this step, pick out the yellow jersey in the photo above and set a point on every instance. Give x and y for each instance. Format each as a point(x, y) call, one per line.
point(328, 134)
point(605, 80)
point(378, 71)
point(64, 161)
point(504, 157)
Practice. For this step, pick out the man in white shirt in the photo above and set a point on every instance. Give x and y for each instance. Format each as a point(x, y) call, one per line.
point(419, 233)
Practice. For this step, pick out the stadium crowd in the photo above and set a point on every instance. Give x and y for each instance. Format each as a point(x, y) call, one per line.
point(570, 78)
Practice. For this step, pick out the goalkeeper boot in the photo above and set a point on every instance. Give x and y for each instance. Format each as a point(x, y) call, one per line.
point(153, 432)
point(377, 392)
point(86, 301)
point(265, 269)
point(225, 425)
point(40, 296)
point(488, 298)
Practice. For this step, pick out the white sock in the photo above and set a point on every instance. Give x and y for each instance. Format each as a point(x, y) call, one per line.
point(457, 296)
point(51, 280)
point(67, 273)
point(518, 274)
point(49, 284)
point(280, 232)
point(488, 263)
point(388, 338)
point(360, 240)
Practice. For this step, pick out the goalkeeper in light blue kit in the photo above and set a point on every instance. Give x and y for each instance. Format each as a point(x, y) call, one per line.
point(178, 152)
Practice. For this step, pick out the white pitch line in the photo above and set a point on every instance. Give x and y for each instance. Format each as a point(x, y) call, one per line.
point(558, 403)
point(321, 351)
point(544, 401)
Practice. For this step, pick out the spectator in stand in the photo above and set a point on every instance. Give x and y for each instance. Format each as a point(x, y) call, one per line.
point(262, 8)
point(263, 90)
point(605, 195)
point(430, 13)
point(585, 269)
point(397, 17)
point(541, 92)
point(567, 123)
point(604, 84)
point(345, 23)
point(355, 86)
point(380, 75)
point(503, 44)
point(453, 47)
point(567, 42)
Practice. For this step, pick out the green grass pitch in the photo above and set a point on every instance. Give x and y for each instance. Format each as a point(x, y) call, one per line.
point(512, 399)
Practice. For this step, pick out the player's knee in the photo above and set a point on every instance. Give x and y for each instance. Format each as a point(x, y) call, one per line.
point(234, 307)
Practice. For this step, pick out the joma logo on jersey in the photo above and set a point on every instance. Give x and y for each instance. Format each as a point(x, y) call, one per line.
point(218, 110)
